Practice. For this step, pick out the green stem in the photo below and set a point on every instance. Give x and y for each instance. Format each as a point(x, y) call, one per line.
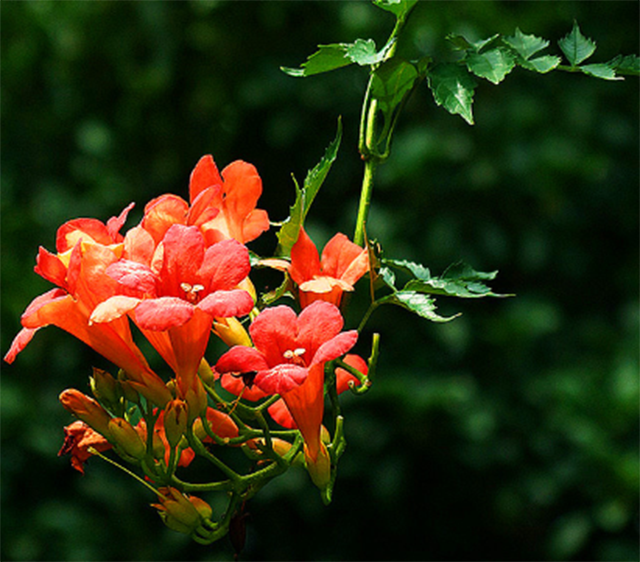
point(368, 143)
point(365, 200)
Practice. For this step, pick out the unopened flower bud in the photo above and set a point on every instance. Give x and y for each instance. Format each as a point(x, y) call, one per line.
point(248, 286)
point(196, 397)
point(86, 409)
point(129, 392)
point(104, 386)
point(231, 332)
point(175, 421)
point(206, 373)
point(127, 438)
point(280, 446)
point(320, 468)
point(180, 512)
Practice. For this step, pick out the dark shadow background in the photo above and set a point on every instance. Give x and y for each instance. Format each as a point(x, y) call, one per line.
point(508, 434)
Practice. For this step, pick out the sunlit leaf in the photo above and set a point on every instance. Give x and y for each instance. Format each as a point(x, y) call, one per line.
point(326, 58)
point(542, 64)
point(288, 233)
point(603, 71)
point(493, 65)
point(391, 82)
point(452, 87)
point(418, 303)
point(458, 280)
point(576, 47)
point(417, 270)
point(525, 45)
point(399, 7)
point(337, 55)
point(629, 64)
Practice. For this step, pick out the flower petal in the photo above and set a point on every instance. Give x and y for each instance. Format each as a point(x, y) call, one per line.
point(235, 385)
point(339, 254)
point(113, 308)
point(133, 276)
point(50, 267)
point(273, 332)
point(162, 212)
point(139, 245)
point(226, 304)
point(335, 347)
point(114, 224)
point(89, 230)
point(204, 175)
point(241, 359)
point(305, 261)
point(281, 415)
point(183, 254)
point(19, 343)
point(225, 264)
point(343, 377)
point(317, 324)
point(163, 313)
point(281, 378)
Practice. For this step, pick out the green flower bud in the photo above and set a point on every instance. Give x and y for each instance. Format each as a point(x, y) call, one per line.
point(127, 438)
point(175, 420)
point(104, 386)
point(180, 512)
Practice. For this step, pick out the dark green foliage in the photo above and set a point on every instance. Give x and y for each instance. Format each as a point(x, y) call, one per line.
point(509, 433)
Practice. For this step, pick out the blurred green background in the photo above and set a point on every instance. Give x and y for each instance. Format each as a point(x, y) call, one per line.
point(508, 434)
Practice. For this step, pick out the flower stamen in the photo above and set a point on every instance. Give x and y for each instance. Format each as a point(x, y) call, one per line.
point(191, 291)
point(295, 355)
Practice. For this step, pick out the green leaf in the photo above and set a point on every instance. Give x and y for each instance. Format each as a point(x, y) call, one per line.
point(337, 55)
point(492, 65)
point(418, 303)
point(526, 45)
point(387, 276)
point(458, 280)
point(452, 87)
point(400, 8)
point(391, 81)
point(458, 42)
point(576, 47)
point(603, 71)
point(288, 233)
point(629, 64)
point(328, 57)
point(418, 271)
point(542, 64)
point(364, 52)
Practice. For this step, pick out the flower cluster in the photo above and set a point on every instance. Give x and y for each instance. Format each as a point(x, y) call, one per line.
point(181, 276)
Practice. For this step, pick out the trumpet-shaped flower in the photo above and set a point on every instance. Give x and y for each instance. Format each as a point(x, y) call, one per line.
point(279, 411)
point(174, 301)
point(86, 247)
point(221, 206)
point(327, 277)
point(288, 359)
